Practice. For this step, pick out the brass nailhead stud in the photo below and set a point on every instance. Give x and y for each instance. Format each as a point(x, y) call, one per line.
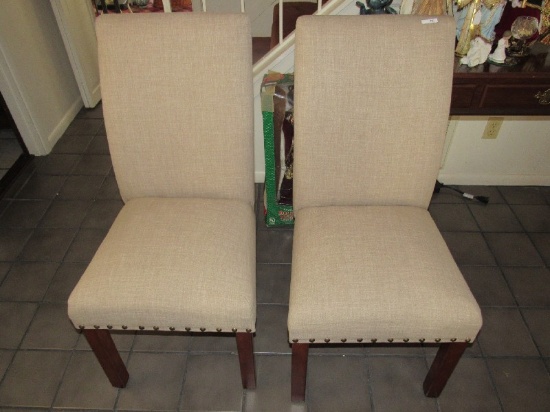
point(124, 327)
point(468, 340)
point(218, 329)
point(359, 340)
point(422, 340)
point(82, 327)
point(406, 340)
point(172, 328)
point(109, 326)
point(187, 329)
point(155, 328)
point(390, 340)
point(373, 340)
point(437, 340)
point(202, 329)
point(453, 339)
point(141, 327)
point(312, 340)
point(248, 330)
point(344, 340)
point(96, 326)
point(327, 340)
point(234, 330)
point(294, 340)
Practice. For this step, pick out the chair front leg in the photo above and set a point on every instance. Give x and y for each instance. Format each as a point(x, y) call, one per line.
point(442, 367)
point(299, 371)
point(102, 344)
point(245, 347)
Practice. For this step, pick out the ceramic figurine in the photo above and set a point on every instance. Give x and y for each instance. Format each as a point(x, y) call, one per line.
point(375, 7)
point(478, 53)
point(499, 55)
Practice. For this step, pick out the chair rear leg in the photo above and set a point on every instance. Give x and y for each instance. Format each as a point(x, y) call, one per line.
point(442, 367)
point(102, 344)
point(299, 371)
point(245, 348)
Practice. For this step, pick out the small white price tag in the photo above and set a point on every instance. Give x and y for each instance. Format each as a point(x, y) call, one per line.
point(429, 21)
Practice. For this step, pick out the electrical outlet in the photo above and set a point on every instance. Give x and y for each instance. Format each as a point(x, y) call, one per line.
point(492, 127)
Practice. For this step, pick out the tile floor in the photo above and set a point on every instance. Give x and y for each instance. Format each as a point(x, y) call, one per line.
point(54, 218)
point(10, 150)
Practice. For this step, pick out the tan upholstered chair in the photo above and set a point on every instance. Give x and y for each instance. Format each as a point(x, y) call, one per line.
point(372, 98)
point(177, 101)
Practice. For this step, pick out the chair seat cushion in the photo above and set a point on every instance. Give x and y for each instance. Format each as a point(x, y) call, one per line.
point(172, 264)
point(379, 273)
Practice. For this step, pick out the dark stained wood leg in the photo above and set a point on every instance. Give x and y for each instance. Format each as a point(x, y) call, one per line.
point(246, 359)
point(442, 367)
point(299, 371)
point(107, 354)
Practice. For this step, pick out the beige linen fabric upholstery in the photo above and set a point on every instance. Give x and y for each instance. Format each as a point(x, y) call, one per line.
point(368, 127)
point(177, 102)
point(172, 263)
point(372, 98)
point(178, 88)
point(376, 272)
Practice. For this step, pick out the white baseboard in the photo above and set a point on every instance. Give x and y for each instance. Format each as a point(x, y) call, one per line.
point(64, 122)
point(493, 180)
point(259, 177)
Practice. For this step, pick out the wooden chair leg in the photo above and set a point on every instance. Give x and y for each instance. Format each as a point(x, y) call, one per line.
point(442, 367)
point(246, 359)
point(102, 344)
point(299, 371)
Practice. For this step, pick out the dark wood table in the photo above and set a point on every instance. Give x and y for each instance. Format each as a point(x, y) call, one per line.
point(488, 89)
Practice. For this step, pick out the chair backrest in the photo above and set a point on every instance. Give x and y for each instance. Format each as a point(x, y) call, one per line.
point(177, 102)
point(372, 98)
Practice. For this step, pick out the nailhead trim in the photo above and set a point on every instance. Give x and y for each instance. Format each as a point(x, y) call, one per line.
point(234, 330)
point(172, 328)
point(359, 340)
point(373, 340)
point(327, 340)
point(187, 329)
point(248, 330)
point(390, 340)
point(141, 327)
point(218, 329)
point(437, 340)
point(202, 329)
point(344, 340)
point(406, 340)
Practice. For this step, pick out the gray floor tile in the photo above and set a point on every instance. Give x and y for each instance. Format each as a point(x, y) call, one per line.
point(66, 214)
point(522, 384)
point(98, 145)
point(453, 218)
point(15, 318)
point(274, 246)
point(337, 383)
point(91, 112)
point(273, 283)
point(469, 388)
point(64, 281)
point(513, 249)
point(72, 144)
point(161, 342)
point(85, 245)
point(102, 214)
point(522, 195)
point(86, 126)
point(81, 187)
point(404, 376)
point(41, 187)
point(109, 189)
point(488, 285)
point(469, 248)
point(272, 393)
point(213, 342)
point(212, 383)
point(496, 218)
point(33, 378)
point(4, 269)
point(48, 245)
point(5, 359)
point(124, 340)
point(534, 218)
point(447, 196)
point(530, 286)
point(28, 281)
point(542, 244)
point(505, 334)
point(155, 382)
point(538, 322)
point(271, 330)
point(51, 329)
point(56, 164)
point(398, 349)
point(491, 192)
point(24, 213)
point(85, 385)
point(93, 165)
point(13, 241)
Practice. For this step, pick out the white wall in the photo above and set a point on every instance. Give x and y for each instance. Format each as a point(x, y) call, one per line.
point(520, 155)
point(36, 77)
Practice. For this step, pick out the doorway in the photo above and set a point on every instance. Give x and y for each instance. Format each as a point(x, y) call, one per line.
point(13, 152)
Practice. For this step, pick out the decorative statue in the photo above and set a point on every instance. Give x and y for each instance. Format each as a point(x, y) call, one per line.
point(499, 55)
point(478, 53)
point(376, 7)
